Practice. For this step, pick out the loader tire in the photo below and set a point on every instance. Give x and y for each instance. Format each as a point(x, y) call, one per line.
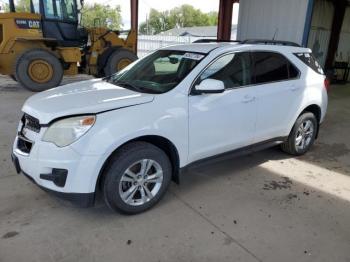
point(119, 59)
point(13, 78)
point(38, 70)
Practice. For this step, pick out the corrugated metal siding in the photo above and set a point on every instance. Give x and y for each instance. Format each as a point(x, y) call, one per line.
point(343, 53)
point(262, 18)
point(320, 30)
point(149, 43)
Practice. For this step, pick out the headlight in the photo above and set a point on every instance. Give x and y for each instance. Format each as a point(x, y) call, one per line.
point(66, 131)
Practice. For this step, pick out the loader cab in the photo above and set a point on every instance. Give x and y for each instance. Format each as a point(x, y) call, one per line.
point(59, 20)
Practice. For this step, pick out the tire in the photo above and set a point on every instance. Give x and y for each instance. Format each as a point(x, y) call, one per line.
point(38, 70)
point(13, 78)
point(304, 130)
point(122, 176)
point(118, 60)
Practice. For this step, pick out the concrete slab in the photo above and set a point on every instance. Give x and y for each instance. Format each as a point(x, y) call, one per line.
point(261, 207)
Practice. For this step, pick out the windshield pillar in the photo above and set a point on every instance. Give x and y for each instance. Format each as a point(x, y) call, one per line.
point(12, 6)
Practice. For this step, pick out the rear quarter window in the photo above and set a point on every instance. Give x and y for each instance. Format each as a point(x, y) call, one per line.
point(310, 61)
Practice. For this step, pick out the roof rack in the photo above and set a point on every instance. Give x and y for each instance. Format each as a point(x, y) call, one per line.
point(250, 41)
point(269, 42)
point(206, 40)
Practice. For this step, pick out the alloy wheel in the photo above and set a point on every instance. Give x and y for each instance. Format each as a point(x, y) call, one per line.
point(141, 182)
point(304, 135)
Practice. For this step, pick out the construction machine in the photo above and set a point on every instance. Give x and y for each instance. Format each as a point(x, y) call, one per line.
point(39, 47)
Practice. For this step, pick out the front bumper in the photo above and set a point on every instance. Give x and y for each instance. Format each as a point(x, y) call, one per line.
point(80, 199)
point(64, 172)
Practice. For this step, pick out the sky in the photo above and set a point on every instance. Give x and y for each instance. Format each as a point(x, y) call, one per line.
point(162, 5)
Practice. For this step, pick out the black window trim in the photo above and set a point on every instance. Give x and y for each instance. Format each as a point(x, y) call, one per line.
point(191, 89)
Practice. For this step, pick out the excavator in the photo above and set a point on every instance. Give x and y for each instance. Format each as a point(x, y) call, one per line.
point(39, 47)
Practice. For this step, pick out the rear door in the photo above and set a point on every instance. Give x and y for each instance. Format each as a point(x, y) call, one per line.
point(279, 94)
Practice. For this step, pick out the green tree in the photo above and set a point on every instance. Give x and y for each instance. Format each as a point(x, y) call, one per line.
point(23, 6)
point(5, 8)
point(182, 16)
point(93, 15)
point(20, 5)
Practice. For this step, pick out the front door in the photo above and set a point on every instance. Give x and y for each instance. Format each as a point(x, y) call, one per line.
point(226, 121)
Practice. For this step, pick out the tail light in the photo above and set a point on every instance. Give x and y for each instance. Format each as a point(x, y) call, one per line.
point(327, 84)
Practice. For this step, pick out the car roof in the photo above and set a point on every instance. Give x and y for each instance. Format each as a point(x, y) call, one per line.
point(197, 47)
point(229, 46)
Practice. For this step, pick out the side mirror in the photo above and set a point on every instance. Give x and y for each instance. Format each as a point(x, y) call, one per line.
point(209, 86)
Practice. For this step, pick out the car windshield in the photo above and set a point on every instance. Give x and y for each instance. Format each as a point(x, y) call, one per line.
point(157, 73)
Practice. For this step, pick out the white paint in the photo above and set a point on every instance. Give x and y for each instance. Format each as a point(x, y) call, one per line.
point(199, 126)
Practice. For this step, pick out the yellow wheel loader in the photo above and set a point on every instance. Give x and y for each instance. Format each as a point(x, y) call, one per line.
point(38, 48)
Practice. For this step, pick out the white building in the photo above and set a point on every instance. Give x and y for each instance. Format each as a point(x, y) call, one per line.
point(312, 23)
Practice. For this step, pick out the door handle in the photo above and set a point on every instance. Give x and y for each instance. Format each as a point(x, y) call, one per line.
point(248, 99)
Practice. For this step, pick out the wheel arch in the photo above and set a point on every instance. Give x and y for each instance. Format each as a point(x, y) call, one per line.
point(316, 110)
point(159, 141)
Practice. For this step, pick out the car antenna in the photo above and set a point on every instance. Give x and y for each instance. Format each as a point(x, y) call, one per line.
point(274, 35)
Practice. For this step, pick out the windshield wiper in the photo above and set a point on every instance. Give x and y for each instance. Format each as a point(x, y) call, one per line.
point(127, 85)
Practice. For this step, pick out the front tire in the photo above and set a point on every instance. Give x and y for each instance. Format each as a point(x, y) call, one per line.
point(38, 70)
point(136, 178)
point(302, 136)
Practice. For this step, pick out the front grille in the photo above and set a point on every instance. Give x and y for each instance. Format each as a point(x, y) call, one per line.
point(31, 123)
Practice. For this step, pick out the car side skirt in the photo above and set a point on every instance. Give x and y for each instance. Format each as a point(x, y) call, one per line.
point(235, 153)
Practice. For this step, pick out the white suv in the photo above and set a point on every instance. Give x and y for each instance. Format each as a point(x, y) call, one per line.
point(130, 134)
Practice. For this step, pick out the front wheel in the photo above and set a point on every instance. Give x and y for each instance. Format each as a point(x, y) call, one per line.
point(302, 136)
point(38, 70)
point(136, 178)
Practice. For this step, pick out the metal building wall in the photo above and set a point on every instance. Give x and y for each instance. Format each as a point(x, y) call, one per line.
point(343, 52)
point(320, 31)
point(264, 18)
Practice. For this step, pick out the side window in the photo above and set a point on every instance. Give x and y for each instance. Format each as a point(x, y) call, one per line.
point(36, 6)
point(233, 69)
point(49, 9)
point(69, 9)
point(270, 67)
point(58, 8)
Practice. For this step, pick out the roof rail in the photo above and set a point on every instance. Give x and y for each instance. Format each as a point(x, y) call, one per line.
point(269, 42)
point(206, 40)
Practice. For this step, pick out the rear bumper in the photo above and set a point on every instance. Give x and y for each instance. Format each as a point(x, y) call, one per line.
point(79, 199)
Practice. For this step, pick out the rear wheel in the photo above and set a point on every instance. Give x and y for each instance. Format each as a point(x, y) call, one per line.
point(118, 60)
point(38, 70)
point(136, 178)
point(302, 136)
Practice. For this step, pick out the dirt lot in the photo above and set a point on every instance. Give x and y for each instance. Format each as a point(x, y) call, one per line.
point(261, 207)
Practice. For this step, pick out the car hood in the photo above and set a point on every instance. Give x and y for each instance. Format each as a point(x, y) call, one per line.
point(92, 96)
